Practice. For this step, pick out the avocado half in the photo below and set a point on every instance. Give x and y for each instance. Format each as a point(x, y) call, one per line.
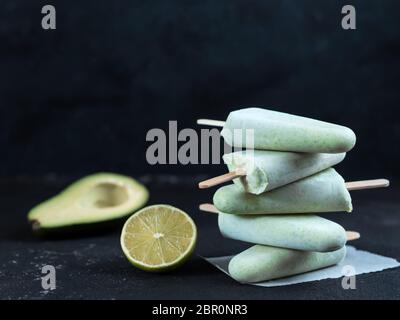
point(92, 201)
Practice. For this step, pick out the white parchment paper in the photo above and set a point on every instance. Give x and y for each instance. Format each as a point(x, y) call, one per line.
point(356, 262)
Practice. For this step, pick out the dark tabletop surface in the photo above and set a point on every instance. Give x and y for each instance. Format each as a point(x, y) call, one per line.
point(93, 266)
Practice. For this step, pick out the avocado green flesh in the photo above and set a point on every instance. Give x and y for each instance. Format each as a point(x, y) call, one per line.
point(91, 200)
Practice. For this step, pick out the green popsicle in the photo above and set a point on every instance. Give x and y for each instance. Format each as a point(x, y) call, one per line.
point(322, 192)
point(301, 231)
point(285, 132)
point(268, 170)
point(262, 263)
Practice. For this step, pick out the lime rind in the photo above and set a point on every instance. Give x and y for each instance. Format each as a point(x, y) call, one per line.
point(144, 214)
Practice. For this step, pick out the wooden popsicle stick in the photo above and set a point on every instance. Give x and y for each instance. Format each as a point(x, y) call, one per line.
point(352, 235)
point(208, 207)
point(351, 186)
point(222, 179)
point(210, 122)
point(367, 184)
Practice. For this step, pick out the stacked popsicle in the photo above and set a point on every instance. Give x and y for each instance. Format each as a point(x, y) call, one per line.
point(276, 190)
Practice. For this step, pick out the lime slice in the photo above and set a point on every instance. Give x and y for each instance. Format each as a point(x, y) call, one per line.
point(158, 238)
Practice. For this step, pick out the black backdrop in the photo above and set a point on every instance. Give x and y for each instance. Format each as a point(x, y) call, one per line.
point(81, 98)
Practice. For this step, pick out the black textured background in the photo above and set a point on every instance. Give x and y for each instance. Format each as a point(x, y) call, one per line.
point(81, 98)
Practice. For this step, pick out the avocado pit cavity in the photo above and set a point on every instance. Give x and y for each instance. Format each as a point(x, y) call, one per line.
point(105, 195)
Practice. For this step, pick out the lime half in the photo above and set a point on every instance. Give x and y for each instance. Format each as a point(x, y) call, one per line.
point(158, 238)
